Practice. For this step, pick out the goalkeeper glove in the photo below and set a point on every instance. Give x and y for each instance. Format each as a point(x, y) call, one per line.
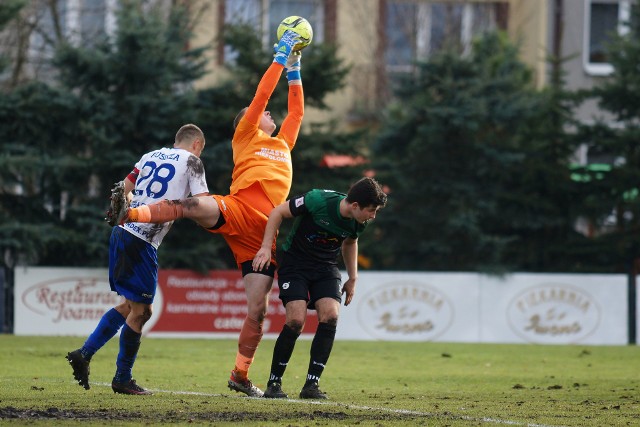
point(293, 68)
point(283, 49)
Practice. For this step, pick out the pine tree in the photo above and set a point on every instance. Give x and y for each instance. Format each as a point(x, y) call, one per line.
point(470, 166)
point(612, 204)
point(64, 143)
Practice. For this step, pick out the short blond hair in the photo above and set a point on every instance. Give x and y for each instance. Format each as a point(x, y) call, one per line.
point(189, 133)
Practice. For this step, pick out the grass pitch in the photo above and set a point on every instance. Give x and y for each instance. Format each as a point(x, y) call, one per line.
point(368, 383)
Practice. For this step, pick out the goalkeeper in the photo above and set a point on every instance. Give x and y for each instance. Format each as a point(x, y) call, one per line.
point(261, 179)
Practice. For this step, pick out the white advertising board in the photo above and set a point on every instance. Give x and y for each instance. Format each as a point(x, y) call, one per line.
point(397, 306)
point(61, 301)
point(71, 301)
point(554, 309)
point(388, 306)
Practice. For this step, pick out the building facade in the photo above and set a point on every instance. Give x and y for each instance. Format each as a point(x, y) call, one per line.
point(380, 39)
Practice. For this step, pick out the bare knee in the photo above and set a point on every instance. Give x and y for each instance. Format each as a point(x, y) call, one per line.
point(330, 318)
point(146, 314)
point(331, 321)
point(139, 315)
point(124, 309)
point(328, 310)
point(257, 310)
point(203, 210)
point(295, 325)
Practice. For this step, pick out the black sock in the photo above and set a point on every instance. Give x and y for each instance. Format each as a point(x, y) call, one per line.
point(320, 351)
point(282, 353)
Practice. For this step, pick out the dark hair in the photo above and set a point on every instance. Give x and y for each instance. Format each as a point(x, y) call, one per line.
point(239, 117)
point(367, 192)
point(188, 133)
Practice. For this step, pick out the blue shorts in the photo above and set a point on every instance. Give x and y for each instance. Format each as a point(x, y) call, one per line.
point(133, 266)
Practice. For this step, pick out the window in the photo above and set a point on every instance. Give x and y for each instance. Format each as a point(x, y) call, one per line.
point(417, 29)
point(265, 15)
point(603, 19)
point(81, 22)
point(87, 21)
point(92, 21)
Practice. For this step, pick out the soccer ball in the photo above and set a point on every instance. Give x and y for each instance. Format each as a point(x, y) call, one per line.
point(299, 25)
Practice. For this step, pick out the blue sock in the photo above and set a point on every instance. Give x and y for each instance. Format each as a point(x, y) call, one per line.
point(108, 326)
point(129, 345)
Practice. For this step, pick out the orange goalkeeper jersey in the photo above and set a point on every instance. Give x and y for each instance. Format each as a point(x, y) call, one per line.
point(261, 158)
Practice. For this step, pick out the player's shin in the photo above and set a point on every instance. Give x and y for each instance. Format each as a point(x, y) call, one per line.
point(282, 353)
point(320, 350)
point(248, 341)
point(157, 213)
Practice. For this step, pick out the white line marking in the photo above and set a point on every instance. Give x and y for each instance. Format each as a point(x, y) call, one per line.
point(486, 420)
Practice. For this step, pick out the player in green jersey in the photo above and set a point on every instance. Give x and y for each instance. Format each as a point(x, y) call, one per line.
point(326, 223)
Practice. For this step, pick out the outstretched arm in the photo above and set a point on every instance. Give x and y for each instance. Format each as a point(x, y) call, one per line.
point(265, 88)
point(291, 124)
point(270, 78)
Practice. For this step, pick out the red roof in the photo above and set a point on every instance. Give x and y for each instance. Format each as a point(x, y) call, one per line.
point(341, 160)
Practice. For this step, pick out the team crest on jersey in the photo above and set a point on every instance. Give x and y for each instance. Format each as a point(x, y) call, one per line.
point(299, 202)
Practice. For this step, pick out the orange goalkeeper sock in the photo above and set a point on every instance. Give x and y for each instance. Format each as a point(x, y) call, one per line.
point(248, 341)
point(157, 213)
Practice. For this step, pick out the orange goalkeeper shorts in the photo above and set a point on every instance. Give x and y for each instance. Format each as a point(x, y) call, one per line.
point(245, 215)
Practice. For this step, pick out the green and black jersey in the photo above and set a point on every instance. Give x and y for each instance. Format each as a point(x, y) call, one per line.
point(319, 229)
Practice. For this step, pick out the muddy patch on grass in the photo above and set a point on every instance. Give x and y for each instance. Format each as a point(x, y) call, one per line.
point(9, 413)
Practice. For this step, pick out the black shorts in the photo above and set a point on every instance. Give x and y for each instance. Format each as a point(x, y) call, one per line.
point(247, 268)
point(297, 282)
